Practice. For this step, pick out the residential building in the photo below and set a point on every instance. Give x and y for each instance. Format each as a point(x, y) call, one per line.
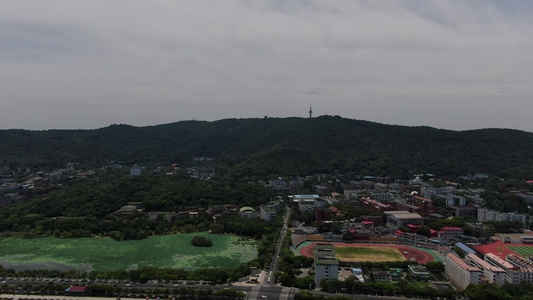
point(517, 269)
point(326, 265)
point(322, 215)
point(361, 185)
point(278, 186)
point(524, 265)
point(491, 274)
point(461, 274)
point(485, 214)
point(268, 213)
point(322, 190)
point(451, 232)
point(375, 205)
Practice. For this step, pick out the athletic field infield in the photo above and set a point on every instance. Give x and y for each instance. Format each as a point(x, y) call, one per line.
point(523, 251)
point(373, 252)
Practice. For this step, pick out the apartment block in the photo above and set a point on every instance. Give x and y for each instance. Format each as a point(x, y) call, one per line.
point(484, 214)
point(326, 265)
point(491, 274)
point(461, 274)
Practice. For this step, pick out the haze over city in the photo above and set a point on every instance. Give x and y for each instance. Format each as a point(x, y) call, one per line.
point(88, 64)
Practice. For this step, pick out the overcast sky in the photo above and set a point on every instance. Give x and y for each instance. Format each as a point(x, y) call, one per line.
point(87, 64)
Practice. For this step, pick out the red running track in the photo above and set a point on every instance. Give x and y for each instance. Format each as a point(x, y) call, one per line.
point(420, 256)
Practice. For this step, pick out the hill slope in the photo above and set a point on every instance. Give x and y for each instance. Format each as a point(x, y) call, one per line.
point(289, 146)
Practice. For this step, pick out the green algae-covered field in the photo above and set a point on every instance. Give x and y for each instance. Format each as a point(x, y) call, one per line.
point(168, 251)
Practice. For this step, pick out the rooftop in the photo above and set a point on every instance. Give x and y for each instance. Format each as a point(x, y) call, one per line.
point(461, 263)
point(301, 197)
point(484, 264)
point(403, 214)
point(500, 261)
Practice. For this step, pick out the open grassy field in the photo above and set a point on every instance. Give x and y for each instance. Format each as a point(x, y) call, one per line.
point(373, 254)
point(168, 251)
point(524, 251)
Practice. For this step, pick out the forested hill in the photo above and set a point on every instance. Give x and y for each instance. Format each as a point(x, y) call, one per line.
point(288, 146)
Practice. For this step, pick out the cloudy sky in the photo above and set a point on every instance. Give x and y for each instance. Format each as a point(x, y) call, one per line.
point(87, 64)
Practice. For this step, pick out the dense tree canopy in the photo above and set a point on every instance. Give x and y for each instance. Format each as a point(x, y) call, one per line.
point(290, 146)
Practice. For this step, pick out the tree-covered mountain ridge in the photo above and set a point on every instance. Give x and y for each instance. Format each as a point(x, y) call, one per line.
point(284, 146)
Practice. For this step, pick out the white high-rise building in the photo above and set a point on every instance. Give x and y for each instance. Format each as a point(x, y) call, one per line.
point(485, 214)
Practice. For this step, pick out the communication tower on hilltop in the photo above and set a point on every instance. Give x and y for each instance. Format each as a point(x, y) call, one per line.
point(310, 112)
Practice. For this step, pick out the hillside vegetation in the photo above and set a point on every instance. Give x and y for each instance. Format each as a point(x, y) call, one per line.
point(288, 146)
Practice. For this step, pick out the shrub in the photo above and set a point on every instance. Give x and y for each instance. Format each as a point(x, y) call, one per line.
point(200, 241)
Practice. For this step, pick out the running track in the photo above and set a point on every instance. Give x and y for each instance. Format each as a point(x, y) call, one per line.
point(420, 256)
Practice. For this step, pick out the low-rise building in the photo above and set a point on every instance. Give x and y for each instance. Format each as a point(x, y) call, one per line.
point(136, 170)
point(451, 232)
point(307, 203)
point(247, 212)
point(402, 218)
point(419, 271)
point(268, 213)
point(380, 275)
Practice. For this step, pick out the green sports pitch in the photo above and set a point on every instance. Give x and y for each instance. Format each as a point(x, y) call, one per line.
point(524, 251)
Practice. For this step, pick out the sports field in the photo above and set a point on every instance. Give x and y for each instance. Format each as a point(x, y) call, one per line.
point(501, 249)
point(168, 251)
point(523, 251)
point(374, 254)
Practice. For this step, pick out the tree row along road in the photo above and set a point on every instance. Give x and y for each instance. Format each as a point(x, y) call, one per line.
point(283, 231)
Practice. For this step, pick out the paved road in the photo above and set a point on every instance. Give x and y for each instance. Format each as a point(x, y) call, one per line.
point(251, 292)
point(274, 267)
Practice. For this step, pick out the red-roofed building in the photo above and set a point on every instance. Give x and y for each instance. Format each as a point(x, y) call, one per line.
point(76, 291)
point(461, 274)
point(414, 228)
point(375, 205)
point(425, 206)
point(422, 199)
point(336, 211)
point(451, 232)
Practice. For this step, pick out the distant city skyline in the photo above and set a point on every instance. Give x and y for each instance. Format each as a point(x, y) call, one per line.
point(87, 64)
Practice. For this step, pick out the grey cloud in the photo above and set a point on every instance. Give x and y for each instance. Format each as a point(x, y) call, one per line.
point(144, 63)
point(40, 41)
